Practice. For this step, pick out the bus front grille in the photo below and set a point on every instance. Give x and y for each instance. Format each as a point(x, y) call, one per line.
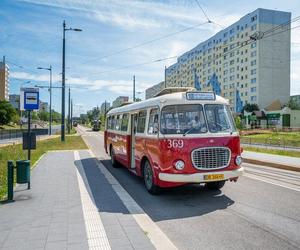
point(211, 157)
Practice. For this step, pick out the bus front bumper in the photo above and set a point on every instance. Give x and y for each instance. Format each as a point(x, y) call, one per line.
point(202, 177)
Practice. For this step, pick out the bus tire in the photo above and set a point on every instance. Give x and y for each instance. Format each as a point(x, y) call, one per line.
point(215, 185)
point(114, 162)
point(149, 178)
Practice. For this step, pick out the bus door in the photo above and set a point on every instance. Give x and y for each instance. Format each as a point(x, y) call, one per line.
point(133, 125)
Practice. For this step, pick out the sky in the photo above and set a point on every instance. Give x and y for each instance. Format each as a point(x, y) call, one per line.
point(96, 70)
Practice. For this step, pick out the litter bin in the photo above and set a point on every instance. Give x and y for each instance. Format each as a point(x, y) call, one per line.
point(23, 172)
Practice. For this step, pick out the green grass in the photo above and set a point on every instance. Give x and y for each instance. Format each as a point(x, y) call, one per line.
point(273, 151)
point(274, 138)
point(14, 126)
point(15, 152)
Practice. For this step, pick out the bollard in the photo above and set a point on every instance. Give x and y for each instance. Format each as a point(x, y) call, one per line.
point(10, 181)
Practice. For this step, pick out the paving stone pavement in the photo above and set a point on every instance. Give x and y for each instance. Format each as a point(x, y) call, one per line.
point(51, 216)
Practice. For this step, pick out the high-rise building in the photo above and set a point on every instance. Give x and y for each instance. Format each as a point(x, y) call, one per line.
point(4, 81)
point(15, 101)
point(105, 106)
point(120, 101)
point(247, 62)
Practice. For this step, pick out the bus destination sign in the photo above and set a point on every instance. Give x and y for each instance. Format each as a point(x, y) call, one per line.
point(201, 96)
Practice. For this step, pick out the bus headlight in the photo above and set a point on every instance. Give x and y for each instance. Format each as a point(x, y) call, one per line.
point(179, 165)
point(238, 160)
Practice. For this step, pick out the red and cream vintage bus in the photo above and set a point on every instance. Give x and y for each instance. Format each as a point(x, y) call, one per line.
point(175, 139)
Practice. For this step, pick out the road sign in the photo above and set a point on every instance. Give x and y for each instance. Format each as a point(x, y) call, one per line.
point(29, 99)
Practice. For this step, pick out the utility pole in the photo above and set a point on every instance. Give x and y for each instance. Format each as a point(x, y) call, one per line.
point(50, 117)
point(63, 80)
point(133, 88)
point(105, 109)
point(50, 90)
point(63, 86)
point(165, 76)
point(69, 111)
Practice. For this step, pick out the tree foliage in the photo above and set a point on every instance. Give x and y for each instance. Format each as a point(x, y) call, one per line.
point(7, 113)
point(292, 104)
point(250, 107)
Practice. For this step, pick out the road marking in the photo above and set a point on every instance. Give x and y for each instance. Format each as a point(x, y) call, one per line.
point(270, 182)
point(97, 238)
point(154, 233)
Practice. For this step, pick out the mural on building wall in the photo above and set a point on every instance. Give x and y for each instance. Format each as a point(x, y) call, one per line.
point(215, 84)
point(197, 82)
point(238, 102)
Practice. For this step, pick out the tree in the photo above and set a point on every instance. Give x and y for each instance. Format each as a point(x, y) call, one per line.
point(250, 107)
point(292, 104)
point(7, 113)
point(44, 115)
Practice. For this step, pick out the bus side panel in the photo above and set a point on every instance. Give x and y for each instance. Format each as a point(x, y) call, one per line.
point(154, 155)
point(105, 141)
point(140, 149)
point(123, 142)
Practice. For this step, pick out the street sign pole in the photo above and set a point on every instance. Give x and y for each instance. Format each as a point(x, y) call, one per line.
point(29, 134)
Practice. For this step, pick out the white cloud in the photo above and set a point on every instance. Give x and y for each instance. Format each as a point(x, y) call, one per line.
point(83, 84)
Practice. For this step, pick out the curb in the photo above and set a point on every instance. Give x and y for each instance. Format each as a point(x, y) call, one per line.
point(272, 164)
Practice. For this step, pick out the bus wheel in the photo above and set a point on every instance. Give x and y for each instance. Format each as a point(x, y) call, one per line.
point(148, 179)
point(114, 163)
point(215, 185)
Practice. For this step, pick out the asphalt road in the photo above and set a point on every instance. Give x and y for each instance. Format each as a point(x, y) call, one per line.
point(260, 211)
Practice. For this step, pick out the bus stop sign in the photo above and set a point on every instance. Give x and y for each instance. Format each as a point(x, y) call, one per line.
point(29, 99)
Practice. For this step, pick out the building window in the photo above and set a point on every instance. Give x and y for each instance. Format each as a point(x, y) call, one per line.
point(231, 54)
point(253, 89)
point(253, 71)
point(231, 78)
point(253, 53)
point(253, 45)
point(253, 62)
point(253, 27)
point(254, 18)
point(253, 98)
point(253, 80)
point(231, 62)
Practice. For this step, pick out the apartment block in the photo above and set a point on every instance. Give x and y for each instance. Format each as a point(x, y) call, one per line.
point(119, 101)
point(247, 62)
point(4, 81)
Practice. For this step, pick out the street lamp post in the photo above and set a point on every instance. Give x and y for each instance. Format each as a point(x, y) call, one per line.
point(69, 111)
point(63, 80)
point(50, 90)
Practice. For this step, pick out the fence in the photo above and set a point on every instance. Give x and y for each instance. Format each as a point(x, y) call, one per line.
point(18, 133)
point(271, 142)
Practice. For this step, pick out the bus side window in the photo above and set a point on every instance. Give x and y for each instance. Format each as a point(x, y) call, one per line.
point(153, 122)
point(141, 122)
point(124, 124)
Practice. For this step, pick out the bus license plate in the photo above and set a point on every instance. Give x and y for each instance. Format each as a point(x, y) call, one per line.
point(213, 177)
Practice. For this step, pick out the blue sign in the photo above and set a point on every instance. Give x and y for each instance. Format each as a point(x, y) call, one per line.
point(31, 99)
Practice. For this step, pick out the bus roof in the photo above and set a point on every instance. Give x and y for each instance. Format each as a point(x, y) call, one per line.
point(164, 100)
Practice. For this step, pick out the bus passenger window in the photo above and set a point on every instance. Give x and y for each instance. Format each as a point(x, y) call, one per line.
point(124, 125)
point(141, 122)
point(153, 122)
point(118, 123)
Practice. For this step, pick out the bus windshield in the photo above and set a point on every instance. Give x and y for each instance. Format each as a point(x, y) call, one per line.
point(193, 119)
point(219, 118)
point(181, 119)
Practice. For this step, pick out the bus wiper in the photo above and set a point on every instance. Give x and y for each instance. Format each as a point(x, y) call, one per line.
point(186, 132)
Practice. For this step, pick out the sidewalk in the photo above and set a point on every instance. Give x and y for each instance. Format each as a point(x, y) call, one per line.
point(271, 160)
point(71, 205)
